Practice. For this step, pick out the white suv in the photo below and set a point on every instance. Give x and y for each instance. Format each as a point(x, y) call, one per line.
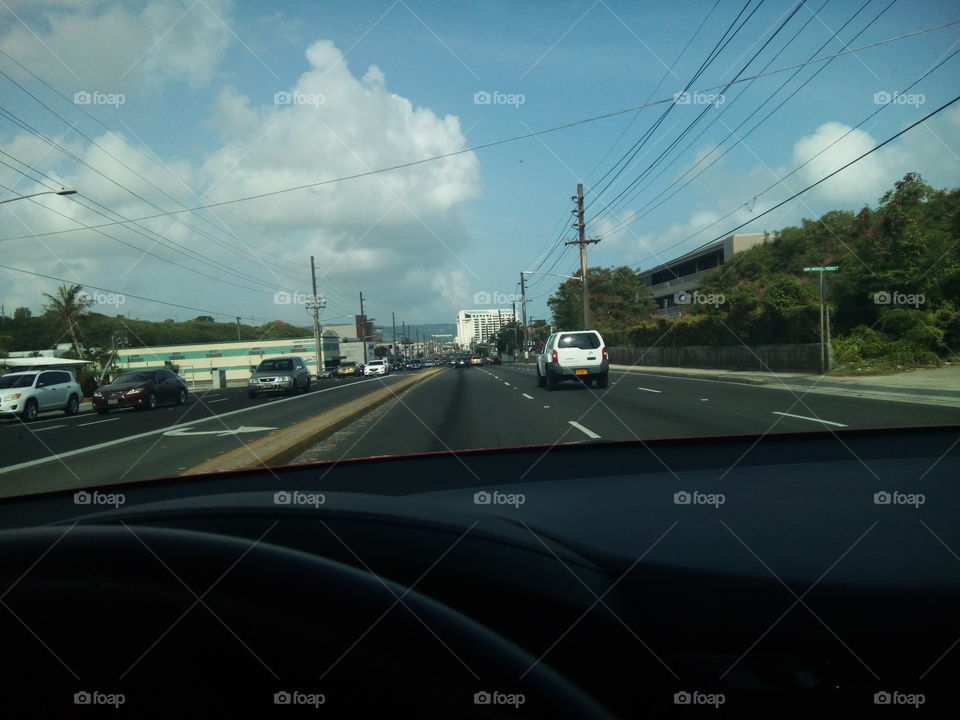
point(375, 367)
point(28, 394)
point(573, 355)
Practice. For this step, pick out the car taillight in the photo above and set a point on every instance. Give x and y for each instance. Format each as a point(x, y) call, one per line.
point(603, 352)
point(554, 357)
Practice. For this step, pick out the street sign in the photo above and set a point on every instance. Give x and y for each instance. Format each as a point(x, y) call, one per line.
point(821, 268)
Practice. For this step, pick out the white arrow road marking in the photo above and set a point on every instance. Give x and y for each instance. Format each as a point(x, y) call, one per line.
point(187, 432)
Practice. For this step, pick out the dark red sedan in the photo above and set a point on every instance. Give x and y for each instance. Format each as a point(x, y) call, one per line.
point(140, 389)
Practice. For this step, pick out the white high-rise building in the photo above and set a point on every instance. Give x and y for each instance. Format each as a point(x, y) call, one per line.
point(476, 327)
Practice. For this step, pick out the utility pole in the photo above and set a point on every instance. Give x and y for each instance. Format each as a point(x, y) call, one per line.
point(238, 328)
point(393, 318)
point(523, 309)
point(363, 330)
point(317, 334)
point(582, 241)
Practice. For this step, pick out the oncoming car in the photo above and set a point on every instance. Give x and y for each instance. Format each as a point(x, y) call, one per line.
point(376, 367)
point(26, 394)
point(286, 375)
point(141, 389)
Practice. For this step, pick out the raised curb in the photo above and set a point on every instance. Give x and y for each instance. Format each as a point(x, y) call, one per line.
point(282, 446)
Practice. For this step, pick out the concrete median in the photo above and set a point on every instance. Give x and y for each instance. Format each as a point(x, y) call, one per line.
point(282, 446)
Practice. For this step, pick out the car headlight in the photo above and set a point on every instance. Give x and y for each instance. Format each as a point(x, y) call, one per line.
point(97, 394)
point(284, 378)
point(135, 391)
point(11, 397)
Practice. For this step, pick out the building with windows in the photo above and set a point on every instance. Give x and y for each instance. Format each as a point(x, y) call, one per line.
point(673, 284)
point(476, 327)
point(199, 363)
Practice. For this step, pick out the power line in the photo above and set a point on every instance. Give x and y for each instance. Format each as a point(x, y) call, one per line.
point(503, 141)
point(740, 138)
point(126, 294)
point(830, 175)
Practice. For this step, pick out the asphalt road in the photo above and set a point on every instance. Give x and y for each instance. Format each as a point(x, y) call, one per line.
point(497, 406)
point(478, 407)
point(88, 449)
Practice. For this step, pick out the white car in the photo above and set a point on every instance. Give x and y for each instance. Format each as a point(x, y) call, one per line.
point(376, 367)
point(27, 394)
point(573, 355)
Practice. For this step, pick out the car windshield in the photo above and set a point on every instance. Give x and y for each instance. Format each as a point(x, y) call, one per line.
point(16, 381)
point(133, 377)
point(735, 220)
point(275, 365)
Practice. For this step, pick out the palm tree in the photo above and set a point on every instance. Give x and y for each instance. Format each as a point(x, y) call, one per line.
point(69, 305)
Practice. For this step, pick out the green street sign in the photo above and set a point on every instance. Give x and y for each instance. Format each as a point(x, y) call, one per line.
point(821, 268)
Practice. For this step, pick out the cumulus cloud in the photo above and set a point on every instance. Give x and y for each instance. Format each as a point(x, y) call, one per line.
point(365, 233)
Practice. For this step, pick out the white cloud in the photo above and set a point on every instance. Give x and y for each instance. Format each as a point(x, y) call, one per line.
point(113, 47)
point(365, 233)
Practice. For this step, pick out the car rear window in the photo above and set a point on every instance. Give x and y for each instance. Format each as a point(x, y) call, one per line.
point(583, 341)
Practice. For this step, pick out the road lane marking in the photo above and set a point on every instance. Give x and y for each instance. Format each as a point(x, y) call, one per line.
point(97, 422)
point(581, 428)
point(507, 384)
point(528, 397)
point(49, 427)
point(803, 417)
point(187, 432)
point(210, 402)
point(160, 431)
point(649, 390)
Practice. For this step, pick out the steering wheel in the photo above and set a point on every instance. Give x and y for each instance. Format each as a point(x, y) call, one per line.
point(157, 620)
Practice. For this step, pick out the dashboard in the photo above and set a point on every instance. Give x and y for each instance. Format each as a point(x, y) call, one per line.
point(778, 573)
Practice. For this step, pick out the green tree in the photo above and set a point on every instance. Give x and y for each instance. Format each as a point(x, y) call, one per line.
point(68, 306)
point(618, 301)
point(22, 313)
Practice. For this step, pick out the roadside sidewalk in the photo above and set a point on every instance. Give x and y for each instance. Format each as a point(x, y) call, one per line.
point(939, 386)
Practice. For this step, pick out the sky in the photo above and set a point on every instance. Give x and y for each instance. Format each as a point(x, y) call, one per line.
point(215, 146)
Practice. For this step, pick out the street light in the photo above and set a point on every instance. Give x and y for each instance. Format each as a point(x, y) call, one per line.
point(523, 299)
point(61, 191)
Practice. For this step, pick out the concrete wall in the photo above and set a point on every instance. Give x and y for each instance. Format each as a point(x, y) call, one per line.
point(782, 358)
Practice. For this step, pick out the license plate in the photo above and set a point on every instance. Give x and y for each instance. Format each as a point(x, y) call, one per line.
point(113, 402)
point(580, 372)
